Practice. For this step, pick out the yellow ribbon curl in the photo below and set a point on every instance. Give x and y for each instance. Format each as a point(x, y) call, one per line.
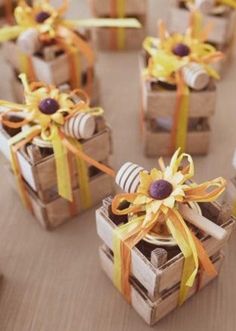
point(144, 213)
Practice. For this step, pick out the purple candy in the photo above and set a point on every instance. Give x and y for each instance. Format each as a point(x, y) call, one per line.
point(160, 189)
point(181, 50)
point(49, 106)
point(42, 16)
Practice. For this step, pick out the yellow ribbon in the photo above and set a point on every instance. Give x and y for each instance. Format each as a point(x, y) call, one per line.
point(180, 125)
point(230, 3)
point(62, 166)
point(120, 4)
point(83, 178)
point(188, 248)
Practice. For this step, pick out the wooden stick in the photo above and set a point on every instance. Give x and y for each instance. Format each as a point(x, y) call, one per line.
point(202, 223)
point(158, 257)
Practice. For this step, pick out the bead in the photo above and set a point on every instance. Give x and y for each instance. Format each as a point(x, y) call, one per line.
point(49, 106)
point(42, 16)
point(160, 189)
point(181, 50)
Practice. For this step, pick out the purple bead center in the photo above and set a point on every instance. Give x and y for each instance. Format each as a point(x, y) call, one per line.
point(181, 50)
point(160, 189)
point(42, 16)
point(48, 106)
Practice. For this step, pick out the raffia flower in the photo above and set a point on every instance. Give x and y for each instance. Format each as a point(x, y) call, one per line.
point(46, 106)
point(169, 53)
point(42, 16)
point(160, 191)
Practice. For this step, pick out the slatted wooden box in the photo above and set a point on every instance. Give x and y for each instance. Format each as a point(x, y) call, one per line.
point(223, 25)
point(153, 311)
point(160, 100)
point(51, 65)
point(132, 7)
point(106, 39)
point(158, 281)
point(40, 172)
point(157, 141)
point(222, 35)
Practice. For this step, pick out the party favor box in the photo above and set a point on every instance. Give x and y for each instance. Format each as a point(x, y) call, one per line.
point(51, 64)
point(48, 47)
point(59, 163)
point(119, 38)
point(178, 93)
point(143, 250)
point(220, 15)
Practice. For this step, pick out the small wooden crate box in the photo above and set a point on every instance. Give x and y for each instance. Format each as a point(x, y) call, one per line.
point(39, 172)
point(158, 107)
point(223, 24)
point(221, 35)
point(155, 286)
point(50, 65)
point(107, 38)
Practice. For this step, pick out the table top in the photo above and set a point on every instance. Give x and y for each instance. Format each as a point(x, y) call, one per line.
point(53, 280)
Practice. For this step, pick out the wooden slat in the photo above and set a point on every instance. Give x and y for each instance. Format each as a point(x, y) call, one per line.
point(41, 176)
point(150, 311)
point(156, 280)
point(158, 143)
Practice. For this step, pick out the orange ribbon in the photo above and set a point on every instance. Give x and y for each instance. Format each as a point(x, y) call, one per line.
point(71, 41)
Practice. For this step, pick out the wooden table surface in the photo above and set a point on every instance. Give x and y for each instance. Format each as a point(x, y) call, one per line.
point(53, 280)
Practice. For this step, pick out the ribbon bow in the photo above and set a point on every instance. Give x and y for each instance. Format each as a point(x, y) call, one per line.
point(168, 55)
point(161, 198)
point(44, 114)
point(52, 27)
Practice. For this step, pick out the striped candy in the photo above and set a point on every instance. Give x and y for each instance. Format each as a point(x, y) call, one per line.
point(205, 6)
point(128, 177)
point(80, 126)
point(195, 76)
point(29, 42)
